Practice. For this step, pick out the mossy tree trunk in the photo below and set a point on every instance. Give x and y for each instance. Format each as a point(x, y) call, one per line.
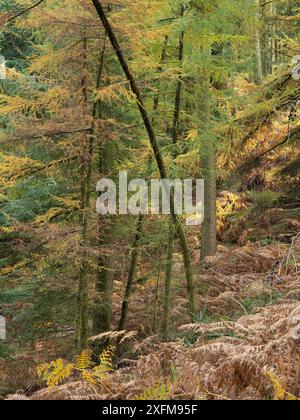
point(82, 323)
point(168, 282)
point(102, 313)
point(131, 275)
point(175, 128)
point(258, 47)
point(208, 172)
point(171, 235)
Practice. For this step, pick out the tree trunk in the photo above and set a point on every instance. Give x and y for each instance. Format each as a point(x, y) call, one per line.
point(208, 236)
point(179, 85)
point(208, 165)
point(155, 111)
point(258, 45)
point(131, 275)
point(156, 152)
point(159, 69)
point(82, 294)
point(103, 304)
point(168, 281)
point(102, 313)
point(82, 298)
point(171, 237)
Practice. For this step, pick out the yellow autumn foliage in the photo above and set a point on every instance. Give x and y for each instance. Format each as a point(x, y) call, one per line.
point(280, 392)
point(56, 372)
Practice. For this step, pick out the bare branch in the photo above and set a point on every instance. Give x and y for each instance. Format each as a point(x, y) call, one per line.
point(23, 12)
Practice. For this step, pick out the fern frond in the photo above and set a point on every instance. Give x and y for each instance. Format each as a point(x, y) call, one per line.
point(120, 336)
point(280, 392)
point(42, 371)
point(106, 358)
point(84, 360)
point(59, 372)
point(89, 376)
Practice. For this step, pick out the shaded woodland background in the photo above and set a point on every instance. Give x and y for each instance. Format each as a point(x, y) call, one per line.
point(175, 312)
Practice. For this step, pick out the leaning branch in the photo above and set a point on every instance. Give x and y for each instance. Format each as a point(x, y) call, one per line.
point(134, 88)
point(41, 167)
point(285, 18)
point(294, 135)
point(51, 134)
point(23, 12)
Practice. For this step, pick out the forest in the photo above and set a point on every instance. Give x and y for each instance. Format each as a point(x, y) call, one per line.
point(101, 100)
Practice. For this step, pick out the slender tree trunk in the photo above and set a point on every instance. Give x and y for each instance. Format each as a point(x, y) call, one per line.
point(85, 112)
point(208, 234)
point(82, 299)
point(102, 313)
point(168, 281)
point(131, 275)
point(171, 236)
point(156, 299)
point(179, 85)
point(273, 38)
point(258, 45)
point(264, 40)
point(159, 69)
point(139, 227)
point(208, 165)
point(156, 152)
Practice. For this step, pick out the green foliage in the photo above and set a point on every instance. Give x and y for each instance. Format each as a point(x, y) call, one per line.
point(264, 299)
point(16, 44)
point(28, 199)
point(51, 88)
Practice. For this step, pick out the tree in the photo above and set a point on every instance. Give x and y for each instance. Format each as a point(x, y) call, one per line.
point(156, 152)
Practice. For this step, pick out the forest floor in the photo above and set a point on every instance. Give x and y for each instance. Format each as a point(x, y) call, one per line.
point(245, 344)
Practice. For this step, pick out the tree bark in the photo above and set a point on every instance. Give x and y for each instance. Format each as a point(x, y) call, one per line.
point(131, 275)
point(179, 85)
point(171, 236)
point(102, 313)
point(168, 281)
point(159, 69)
point(82, 298)
point(208, 165)
point(258, 46)
point(82, 294)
